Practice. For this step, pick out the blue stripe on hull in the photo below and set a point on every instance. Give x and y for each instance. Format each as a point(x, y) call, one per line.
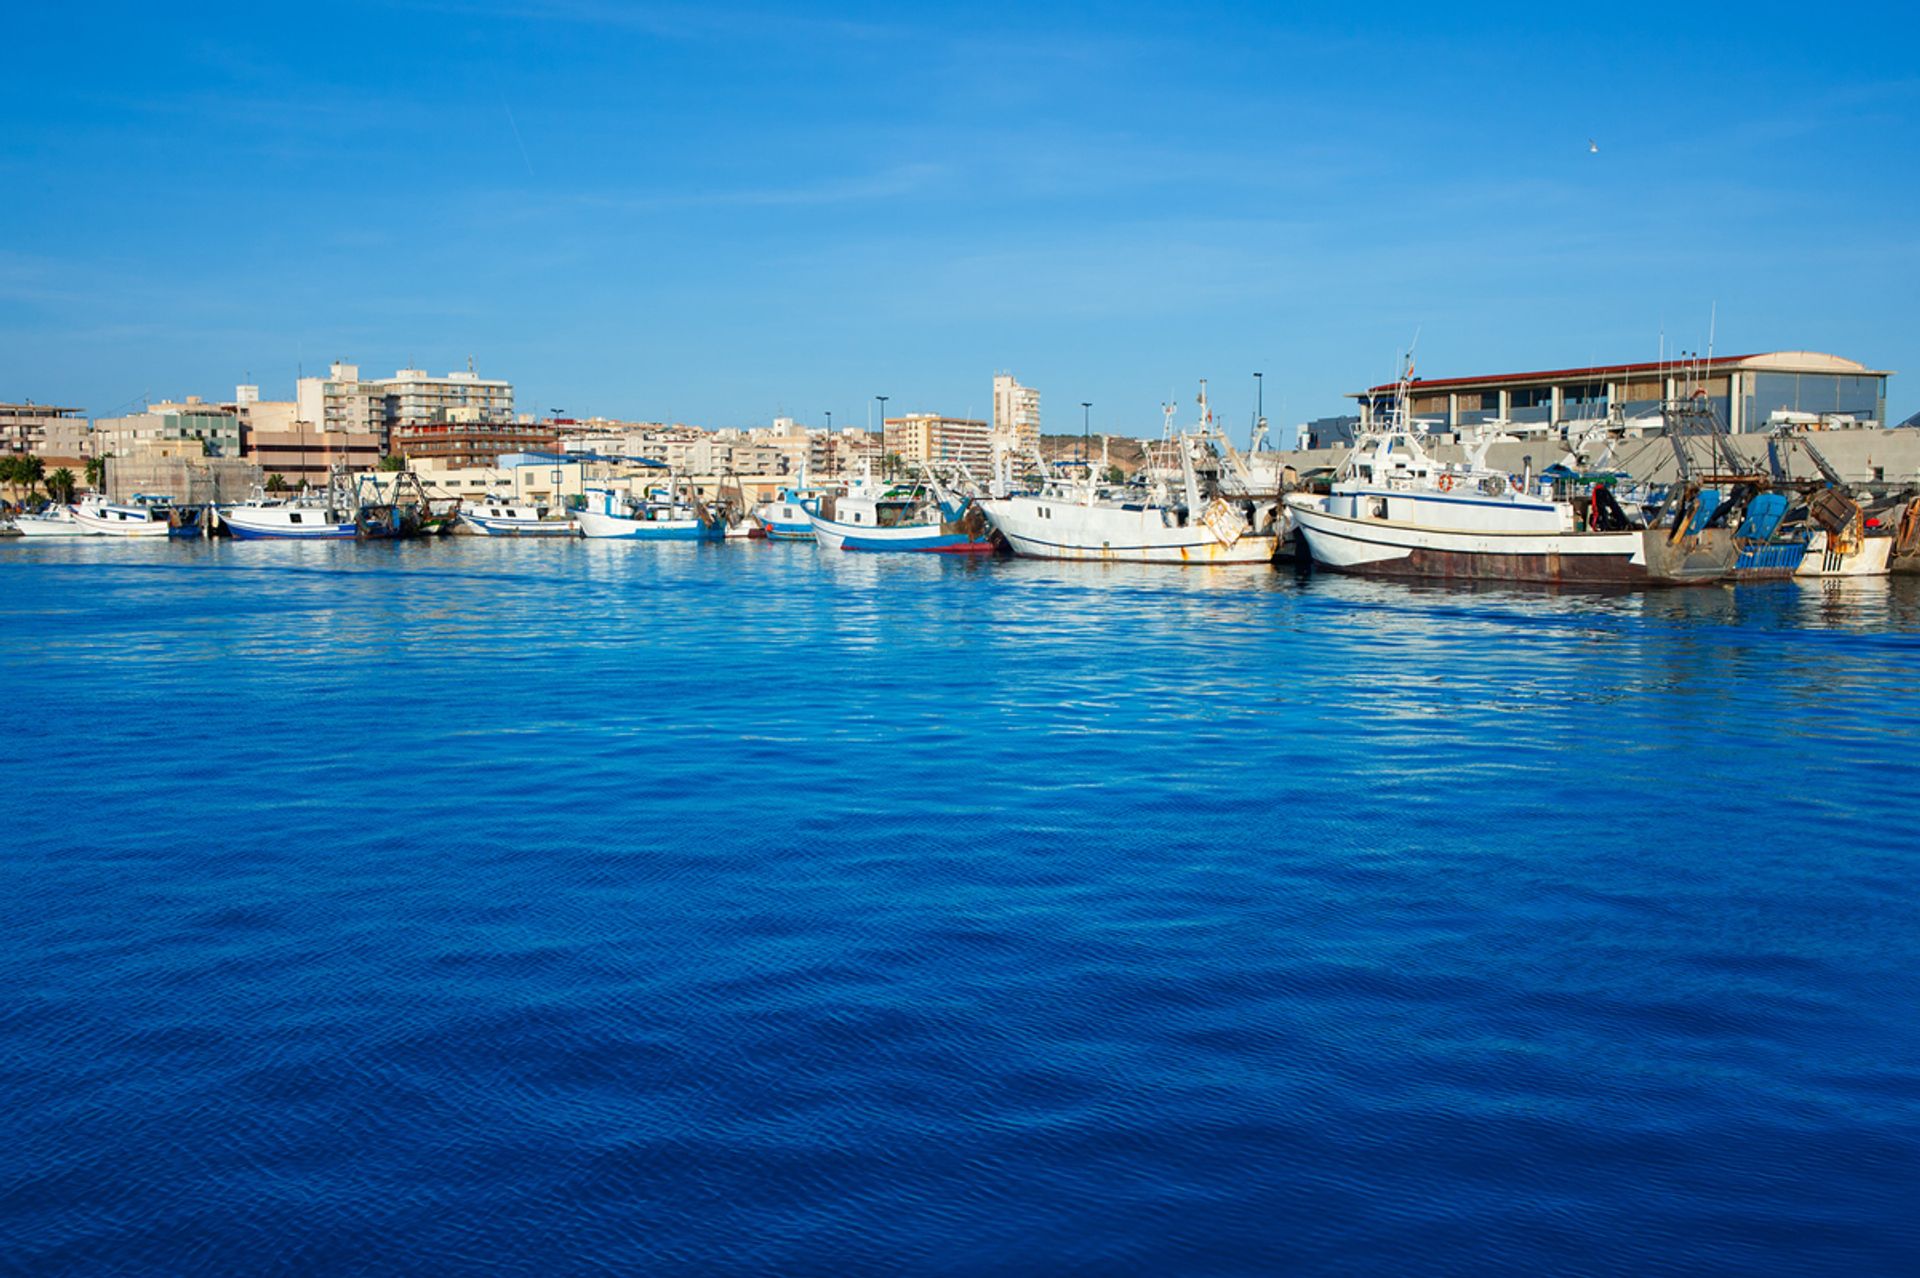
point(673, 534)
point(254, 534)
point(935, 542)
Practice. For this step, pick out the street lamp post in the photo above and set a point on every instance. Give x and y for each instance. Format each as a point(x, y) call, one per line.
point(1086, 433)
point(1260, 409)
point(883, 433)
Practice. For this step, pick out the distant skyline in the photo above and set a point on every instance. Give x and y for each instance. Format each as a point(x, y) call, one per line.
point(720, 214)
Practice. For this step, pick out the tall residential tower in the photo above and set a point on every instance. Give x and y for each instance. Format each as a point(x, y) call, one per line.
point(1016, 414)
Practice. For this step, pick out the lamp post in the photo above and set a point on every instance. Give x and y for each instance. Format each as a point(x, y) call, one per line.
point(1086, 432)
point(883, 433)
point(1260, 406)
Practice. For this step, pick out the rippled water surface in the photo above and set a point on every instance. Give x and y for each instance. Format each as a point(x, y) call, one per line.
point(560, 908)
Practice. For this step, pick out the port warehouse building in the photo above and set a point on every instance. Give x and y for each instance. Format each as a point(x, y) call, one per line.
point(1743, 390)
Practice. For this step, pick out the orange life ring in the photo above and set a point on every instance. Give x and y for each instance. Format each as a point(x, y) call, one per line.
point(1446, 483)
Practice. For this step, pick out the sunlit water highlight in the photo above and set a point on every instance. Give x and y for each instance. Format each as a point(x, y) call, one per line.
point(512, 907)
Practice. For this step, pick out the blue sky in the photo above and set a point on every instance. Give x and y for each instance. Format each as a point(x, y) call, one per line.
point(717, 213)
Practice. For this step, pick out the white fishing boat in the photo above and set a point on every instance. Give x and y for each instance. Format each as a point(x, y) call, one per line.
point(498, 517)
point(1168, 517)
point(298, 520)
point(920, 518)
point(54, 521)
point(654, 516)
point(1394, 510)
point(142, 517)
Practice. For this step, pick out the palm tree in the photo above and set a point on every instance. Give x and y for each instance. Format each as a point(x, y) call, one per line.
point(97, 472)
point(276, 483)
point(60, 485)
point(21, 471)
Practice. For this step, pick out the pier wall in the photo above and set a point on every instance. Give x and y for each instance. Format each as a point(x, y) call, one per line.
point(188, 481)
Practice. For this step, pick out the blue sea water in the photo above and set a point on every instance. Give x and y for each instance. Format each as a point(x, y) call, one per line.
point(513, 907)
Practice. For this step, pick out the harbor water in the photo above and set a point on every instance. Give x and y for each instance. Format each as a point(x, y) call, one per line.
point(489, 906)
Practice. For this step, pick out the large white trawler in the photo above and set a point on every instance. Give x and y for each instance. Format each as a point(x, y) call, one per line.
point(1169, 518)
point(1395, 510)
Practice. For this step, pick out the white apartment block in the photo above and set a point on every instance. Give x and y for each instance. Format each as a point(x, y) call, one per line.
point(1016, 414)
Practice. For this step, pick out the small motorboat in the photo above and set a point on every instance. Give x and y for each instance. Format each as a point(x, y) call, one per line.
point(652, 516)
point(54, 521)
point(498, 517)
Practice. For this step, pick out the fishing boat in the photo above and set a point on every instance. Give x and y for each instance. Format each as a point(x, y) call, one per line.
point(498, 517)
point(1169, 516)
point(785, 518)
point(925, 518)
point(1831, 522)
point(302, 519)
point(1904, 555)
point(1395, 510)
point(144, 516)
point(54, 521)
point(653, 516)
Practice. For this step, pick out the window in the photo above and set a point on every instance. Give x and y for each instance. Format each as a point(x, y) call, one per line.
point(1532, 397)
point(294, 517)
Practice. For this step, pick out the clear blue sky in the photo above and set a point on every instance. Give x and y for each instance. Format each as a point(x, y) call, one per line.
point(717, 213)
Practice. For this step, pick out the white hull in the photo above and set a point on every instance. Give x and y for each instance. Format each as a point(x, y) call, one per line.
point(511, 526)
point(594, 524)
point(57, 525)
point(302, 523)
point(1870, 560)
point(1059, 528)
point(1389, 548)
point(1341, 542)
point(112, 521)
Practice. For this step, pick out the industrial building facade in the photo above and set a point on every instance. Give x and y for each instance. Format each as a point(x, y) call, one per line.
point(1745, 391)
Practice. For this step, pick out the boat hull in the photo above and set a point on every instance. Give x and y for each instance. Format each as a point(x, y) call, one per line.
point(40, 526)
point(1871, 558)
point(489, 526)
point(1382, 548)
point(1046, 529)
point(107, 526)
point(319, 532)
point(620, 528)
point(931, 539)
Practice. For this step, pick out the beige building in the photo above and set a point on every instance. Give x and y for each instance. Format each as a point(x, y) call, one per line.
point(402, 409)
point(170, 428)
point(43, 430)
point(929, 437)
point(302, 454)
point(1016, 415)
